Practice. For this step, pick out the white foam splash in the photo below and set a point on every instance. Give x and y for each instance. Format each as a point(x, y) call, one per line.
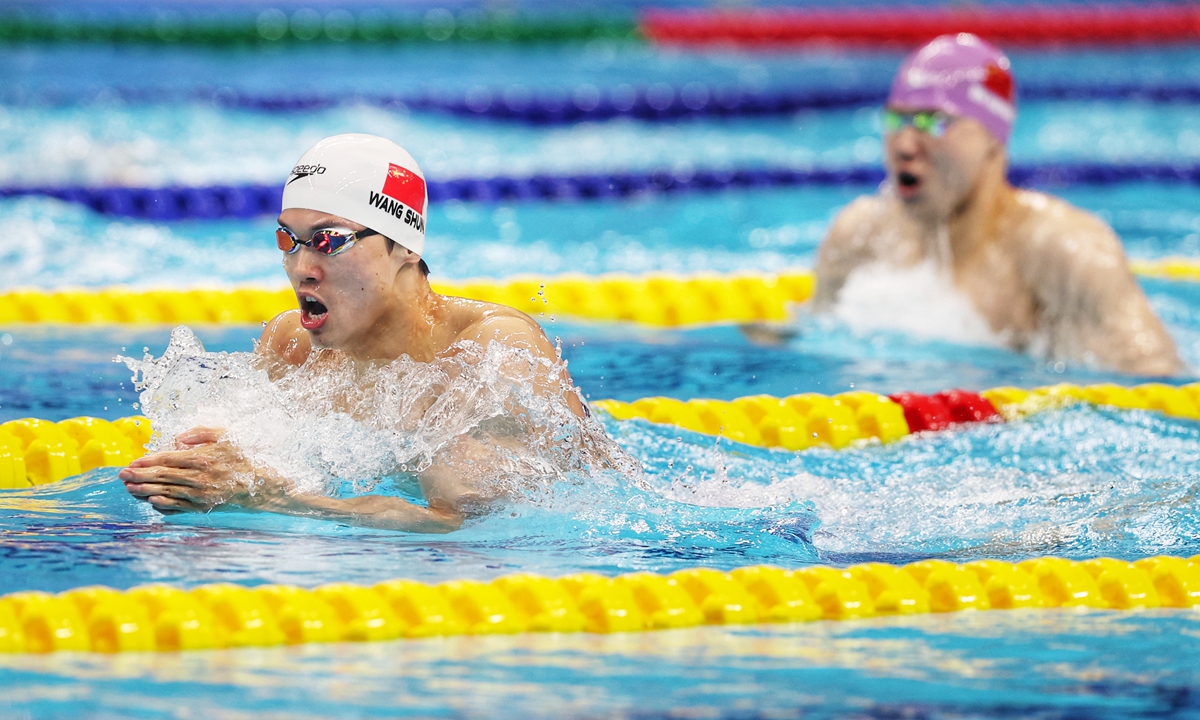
point(920, 300)
point(330, 421)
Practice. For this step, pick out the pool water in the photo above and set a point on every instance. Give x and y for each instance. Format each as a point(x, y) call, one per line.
point(1030, 665)
point(1076, 482)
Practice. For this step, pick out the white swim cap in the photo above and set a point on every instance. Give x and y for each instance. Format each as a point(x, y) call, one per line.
point(365, 179)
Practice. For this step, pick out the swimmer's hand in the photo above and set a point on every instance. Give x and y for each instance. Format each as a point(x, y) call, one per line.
point(770, 334)
point(202, 474)
point(206, 473)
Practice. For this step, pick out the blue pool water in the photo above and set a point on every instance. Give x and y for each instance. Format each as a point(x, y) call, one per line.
point(197, 144)
point(1030, 665)
point(1077, 482)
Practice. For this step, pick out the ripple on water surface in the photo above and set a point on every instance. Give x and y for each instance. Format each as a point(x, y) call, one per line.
point(1052, 665)
point(1078, 482)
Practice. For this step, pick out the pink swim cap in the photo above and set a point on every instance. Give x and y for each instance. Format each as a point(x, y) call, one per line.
point(960, 75)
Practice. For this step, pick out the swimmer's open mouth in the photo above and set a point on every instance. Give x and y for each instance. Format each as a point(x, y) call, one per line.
point(312, 312)
point(312, 307)
point(907, 179)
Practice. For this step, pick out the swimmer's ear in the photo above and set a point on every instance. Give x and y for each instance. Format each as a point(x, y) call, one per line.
point(405, 256)
point(996, 147)
point(410, 257)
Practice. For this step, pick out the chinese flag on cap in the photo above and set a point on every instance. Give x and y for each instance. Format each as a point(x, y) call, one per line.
point(999, 81)
point(406, 186)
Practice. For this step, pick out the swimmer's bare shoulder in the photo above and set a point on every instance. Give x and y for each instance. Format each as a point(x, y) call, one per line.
point(484, 322)
point(284, 342)
point(1062, 246)
point(847, 245)
point(1076, 266)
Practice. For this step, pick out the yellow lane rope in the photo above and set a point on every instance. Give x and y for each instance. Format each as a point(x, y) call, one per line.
point(1172, 268)
point(809, 420)
point(165, 618)
point(658, 299)
point(37, 452)
point(661, 300)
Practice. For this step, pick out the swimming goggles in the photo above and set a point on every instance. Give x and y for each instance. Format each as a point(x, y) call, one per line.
point(930, 122)
point(326, 242)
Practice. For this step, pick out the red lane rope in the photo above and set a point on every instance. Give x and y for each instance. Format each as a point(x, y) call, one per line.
point(1103, 25)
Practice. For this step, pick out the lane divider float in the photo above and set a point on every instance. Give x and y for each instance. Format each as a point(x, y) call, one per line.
point(165, 618)
point(305, 26)
point(657, 300)
point(799, 422)
point(246, 201)
point(660, 300)
point(1115, 24)
point(38, 452)
point(1171, 268)
point(1123, 24)
point(657, 102)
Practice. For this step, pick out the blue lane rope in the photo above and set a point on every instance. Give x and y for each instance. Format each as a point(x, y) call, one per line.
point(656, 103)
point(245, 201)
point(662, 102)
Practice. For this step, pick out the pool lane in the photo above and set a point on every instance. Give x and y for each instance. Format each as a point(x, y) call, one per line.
point(55, 244)
point(195, 143)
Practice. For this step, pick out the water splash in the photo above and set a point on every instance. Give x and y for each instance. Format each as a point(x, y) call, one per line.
point(331, 421)
point(920, 300)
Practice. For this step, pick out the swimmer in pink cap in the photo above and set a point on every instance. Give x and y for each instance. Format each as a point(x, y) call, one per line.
point(1040, 273)
point(350, 237)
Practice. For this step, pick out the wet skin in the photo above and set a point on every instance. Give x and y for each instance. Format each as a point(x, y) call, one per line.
point(1040, 271)
point(373, 304)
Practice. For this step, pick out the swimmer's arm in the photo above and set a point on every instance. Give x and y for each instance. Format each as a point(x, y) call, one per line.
point(1092, 299)
point(843, 250)
point(373, 511)
point(206, 473)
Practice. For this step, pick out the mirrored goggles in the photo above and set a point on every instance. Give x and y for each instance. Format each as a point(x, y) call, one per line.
point(327, 242)
point(930, 122)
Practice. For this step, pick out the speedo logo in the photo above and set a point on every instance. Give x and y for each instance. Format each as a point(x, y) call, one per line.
point(398, 210)
point(305, 170)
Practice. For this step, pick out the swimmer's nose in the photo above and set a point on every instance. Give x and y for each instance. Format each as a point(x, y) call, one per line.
point(905, 144)
point(309, 267)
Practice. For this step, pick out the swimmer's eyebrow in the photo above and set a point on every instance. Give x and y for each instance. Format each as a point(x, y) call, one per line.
point(326, 224)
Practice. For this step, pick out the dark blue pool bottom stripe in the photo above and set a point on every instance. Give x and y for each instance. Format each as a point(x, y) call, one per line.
point(655, 103)
point(245, 201)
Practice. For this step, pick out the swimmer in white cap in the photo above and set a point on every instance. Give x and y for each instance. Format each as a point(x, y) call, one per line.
point(1042, 274)
point(352, 232)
